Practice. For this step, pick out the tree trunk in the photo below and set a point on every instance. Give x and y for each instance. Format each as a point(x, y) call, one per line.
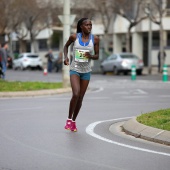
point(128, 40)
point(33, 44)
point(106, 42)
point(2, 37)
point(10, 45)
point(22, 46)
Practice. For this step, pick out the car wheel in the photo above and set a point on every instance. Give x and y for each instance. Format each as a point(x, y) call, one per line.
point(13, 67)
point(139, 72)
point(21, 67)
point(102, 70)
point(115, 70)
point(125, 72)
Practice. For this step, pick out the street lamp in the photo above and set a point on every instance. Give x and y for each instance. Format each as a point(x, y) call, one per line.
point(148, 12)
point(66, 20)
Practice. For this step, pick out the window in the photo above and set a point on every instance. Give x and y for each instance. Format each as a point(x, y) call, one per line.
point(155, 39)
point(43, 44)
point(128, 56)
point(114, 57)
point(21, 56)
point(168, 39)
point(168, 4)
point(32, 56)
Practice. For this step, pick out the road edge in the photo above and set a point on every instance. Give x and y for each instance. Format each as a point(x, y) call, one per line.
point(134, 128)
point(35, 93)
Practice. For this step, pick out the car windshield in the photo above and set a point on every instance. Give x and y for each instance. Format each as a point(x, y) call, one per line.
point(128, 56)
point(32, 56)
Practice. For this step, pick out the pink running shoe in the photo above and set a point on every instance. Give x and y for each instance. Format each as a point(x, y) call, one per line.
point(68, 124)
point(73, 127)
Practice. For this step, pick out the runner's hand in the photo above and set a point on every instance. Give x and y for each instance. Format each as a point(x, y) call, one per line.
point(66, 61)
point(87, 55)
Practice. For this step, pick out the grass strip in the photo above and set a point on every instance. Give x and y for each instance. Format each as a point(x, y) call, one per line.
point(159, 119)
point(15, 86)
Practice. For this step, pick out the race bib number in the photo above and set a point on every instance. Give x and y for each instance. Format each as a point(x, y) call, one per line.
point(80, 55)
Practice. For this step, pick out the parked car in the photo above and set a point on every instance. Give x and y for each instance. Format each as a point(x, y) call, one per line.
point(121, 62)
point(27, 60)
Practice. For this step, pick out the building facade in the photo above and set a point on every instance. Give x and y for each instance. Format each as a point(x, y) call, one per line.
point(139, 39)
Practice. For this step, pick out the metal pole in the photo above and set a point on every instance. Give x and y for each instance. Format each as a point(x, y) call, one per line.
point(66, 34)
point(150, 42)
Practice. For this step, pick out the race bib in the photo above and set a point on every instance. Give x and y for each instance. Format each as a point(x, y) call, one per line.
point(80, 55)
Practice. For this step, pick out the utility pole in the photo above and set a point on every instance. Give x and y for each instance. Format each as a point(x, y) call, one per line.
point(66, 34)
point(66, 20)
point(148, 12)
point(150, 43)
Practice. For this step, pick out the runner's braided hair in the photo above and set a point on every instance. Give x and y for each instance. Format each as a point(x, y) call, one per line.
point(79, 24)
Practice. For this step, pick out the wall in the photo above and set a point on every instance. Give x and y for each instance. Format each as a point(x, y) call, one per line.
point(155, 57)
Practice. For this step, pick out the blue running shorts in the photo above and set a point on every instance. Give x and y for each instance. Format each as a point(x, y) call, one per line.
point(83, 76)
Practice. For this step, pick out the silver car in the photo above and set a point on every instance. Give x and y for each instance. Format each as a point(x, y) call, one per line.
point(121, 62)
point(26, 60)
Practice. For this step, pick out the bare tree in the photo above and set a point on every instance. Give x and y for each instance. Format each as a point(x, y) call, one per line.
point(9, 20)
point(158, 11)
point(17, 24)
point(35, 18)
point(98, 11)
point(131, 10)
point(107, 17)
point(7, 11)
point(24, 18)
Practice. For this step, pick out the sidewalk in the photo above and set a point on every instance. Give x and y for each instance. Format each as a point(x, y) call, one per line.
point(134, 128)
point(154, 71)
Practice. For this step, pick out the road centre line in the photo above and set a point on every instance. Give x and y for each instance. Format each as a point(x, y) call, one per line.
point(90, 131)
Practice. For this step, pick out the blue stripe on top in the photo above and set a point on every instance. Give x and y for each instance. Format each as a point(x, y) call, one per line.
point(79, 36)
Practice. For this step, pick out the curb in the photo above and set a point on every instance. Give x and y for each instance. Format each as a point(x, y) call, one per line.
point(134, 128)
point(34, 93)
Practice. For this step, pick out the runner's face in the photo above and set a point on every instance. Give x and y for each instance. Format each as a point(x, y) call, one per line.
point(86, 26)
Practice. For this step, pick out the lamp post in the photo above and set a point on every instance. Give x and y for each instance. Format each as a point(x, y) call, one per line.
point(66, 20)
point(148, 12)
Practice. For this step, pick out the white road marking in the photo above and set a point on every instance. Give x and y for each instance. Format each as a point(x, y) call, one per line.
point(139, 91)
point(90, 131)
point(134, 91)
point(98, 90)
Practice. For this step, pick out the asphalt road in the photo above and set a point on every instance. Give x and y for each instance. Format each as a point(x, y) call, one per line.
point(32, 134)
